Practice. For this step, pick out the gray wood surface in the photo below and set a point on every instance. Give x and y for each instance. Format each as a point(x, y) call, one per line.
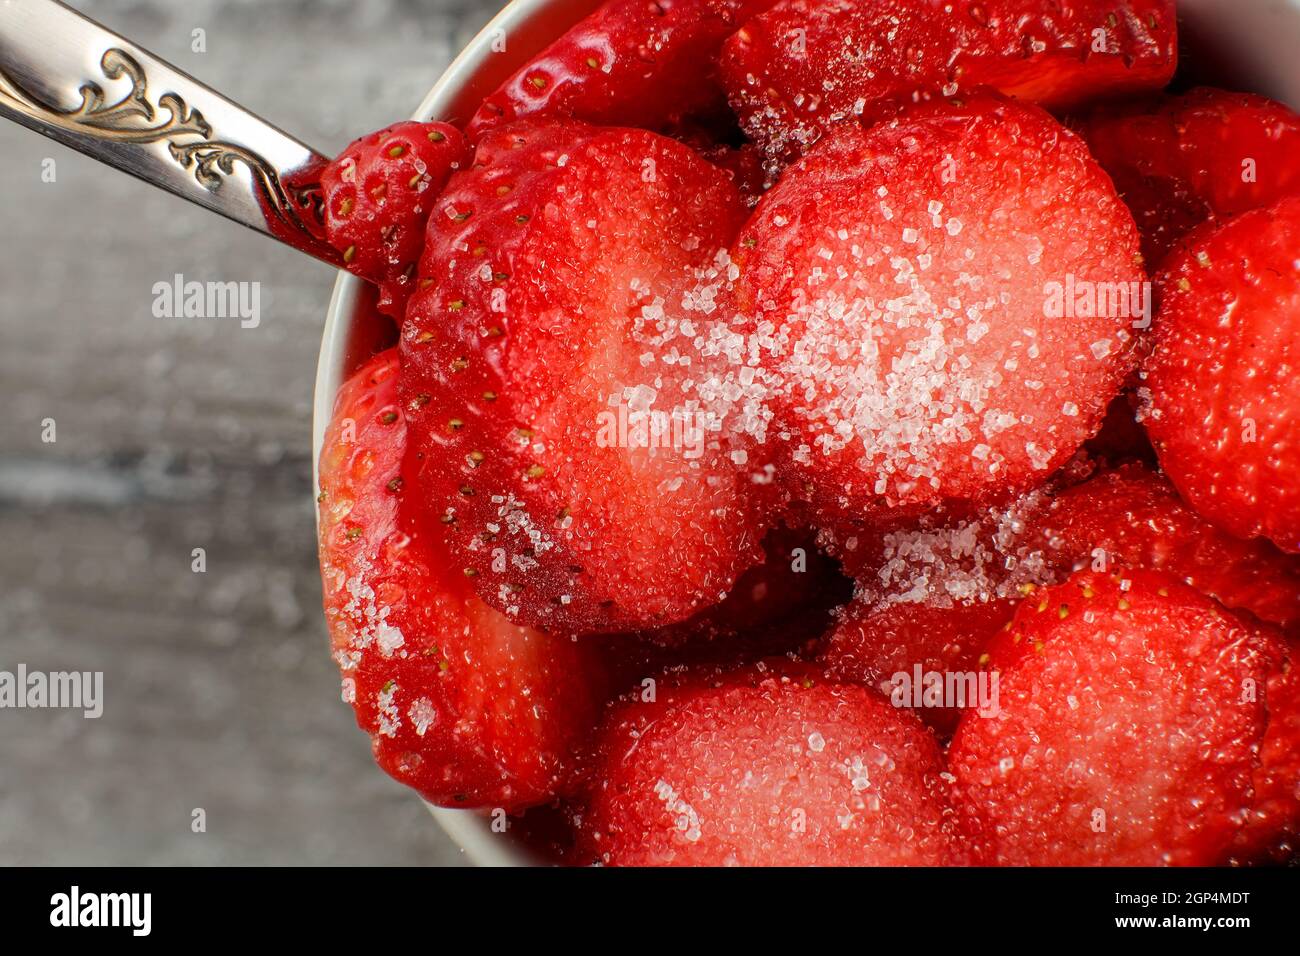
point(174, 434)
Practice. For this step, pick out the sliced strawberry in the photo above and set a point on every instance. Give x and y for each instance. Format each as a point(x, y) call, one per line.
point(1133, 518)
point(571, 457)
point(769, 768)
point(377, 196)
point(460, 703)
point(925, 294)
point(1272, 830)
point(782, 606)
point(931, 594)
point(1224, 396)
point(1130, 715)
point(647, 63)
point(1184, 159)
point(796, 70)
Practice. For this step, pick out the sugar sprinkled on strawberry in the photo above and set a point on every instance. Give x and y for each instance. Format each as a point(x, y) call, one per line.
point(564, 446)
point(768, 767)
point(798, 69)
point(460, 703)
point(1131, 712)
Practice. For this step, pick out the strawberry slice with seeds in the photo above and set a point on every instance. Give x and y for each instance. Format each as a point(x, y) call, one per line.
point(1224, 412)
point(568, 451)
point(936, 319)
point(931, 593)
point(782, 606)
point(1184, 159)
point(647, 63)
point(378, 195)
point(460, 703)
point(770, 767)
point(793, 72)
point(1131, 713)
point(1133, 518)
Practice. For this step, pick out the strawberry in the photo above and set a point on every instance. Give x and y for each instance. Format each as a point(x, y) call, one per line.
point(573, 461)
point(1131, 711)
point(377, 197)
point(1184, 159)
point(1133, 518)
point(1224, 411)
point(937, 320)
point(793, 72)
point(645, 63)
point(460, 703)
point(767, 767)
point(782, 606)
point(1272, 827)
point(931, 593)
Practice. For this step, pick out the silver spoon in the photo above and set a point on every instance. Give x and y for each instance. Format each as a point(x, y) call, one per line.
point(77, 82)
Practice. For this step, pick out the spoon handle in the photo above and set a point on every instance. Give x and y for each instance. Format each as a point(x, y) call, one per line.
point(71, 79)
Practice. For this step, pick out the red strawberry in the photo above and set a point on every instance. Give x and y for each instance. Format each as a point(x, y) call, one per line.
point(781, 606)
point(1131, 711)
point(772, 768)
point(1132, 518)
point(378, 195)
point(1224, 396)
point(931, 594)
point(466, 707)
point(1183, 159)
point(571, 457)
point(794, 71)
point(647, 63)
point(895, 648)
point(1272, 830)
point(925, 293)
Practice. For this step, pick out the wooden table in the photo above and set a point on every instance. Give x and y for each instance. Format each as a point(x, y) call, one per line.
point(175, 434)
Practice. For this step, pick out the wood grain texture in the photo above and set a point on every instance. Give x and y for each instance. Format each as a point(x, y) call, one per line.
point(174, 434)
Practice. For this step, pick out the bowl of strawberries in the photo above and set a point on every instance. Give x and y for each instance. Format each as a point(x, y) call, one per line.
point(828, 433)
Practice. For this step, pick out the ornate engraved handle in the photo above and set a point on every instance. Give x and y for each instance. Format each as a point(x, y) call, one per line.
point(67, 77)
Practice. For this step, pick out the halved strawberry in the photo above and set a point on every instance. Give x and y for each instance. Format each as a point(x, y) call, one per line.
point(796, 70)
point(930, 596)
point(782, 606)
point(1133, 518)
point(1271, 833)
point(771, 767)
point(1184, 159)
point(460, 703)
point(936, 320)
point(647, 63)
point(568, 443)
point(1224, 397)
point(1131, 711)
point(377, 197)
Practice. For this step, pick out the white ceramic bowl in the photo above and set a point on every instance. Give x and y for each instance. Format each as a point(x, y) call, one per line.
point(1242, 44)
